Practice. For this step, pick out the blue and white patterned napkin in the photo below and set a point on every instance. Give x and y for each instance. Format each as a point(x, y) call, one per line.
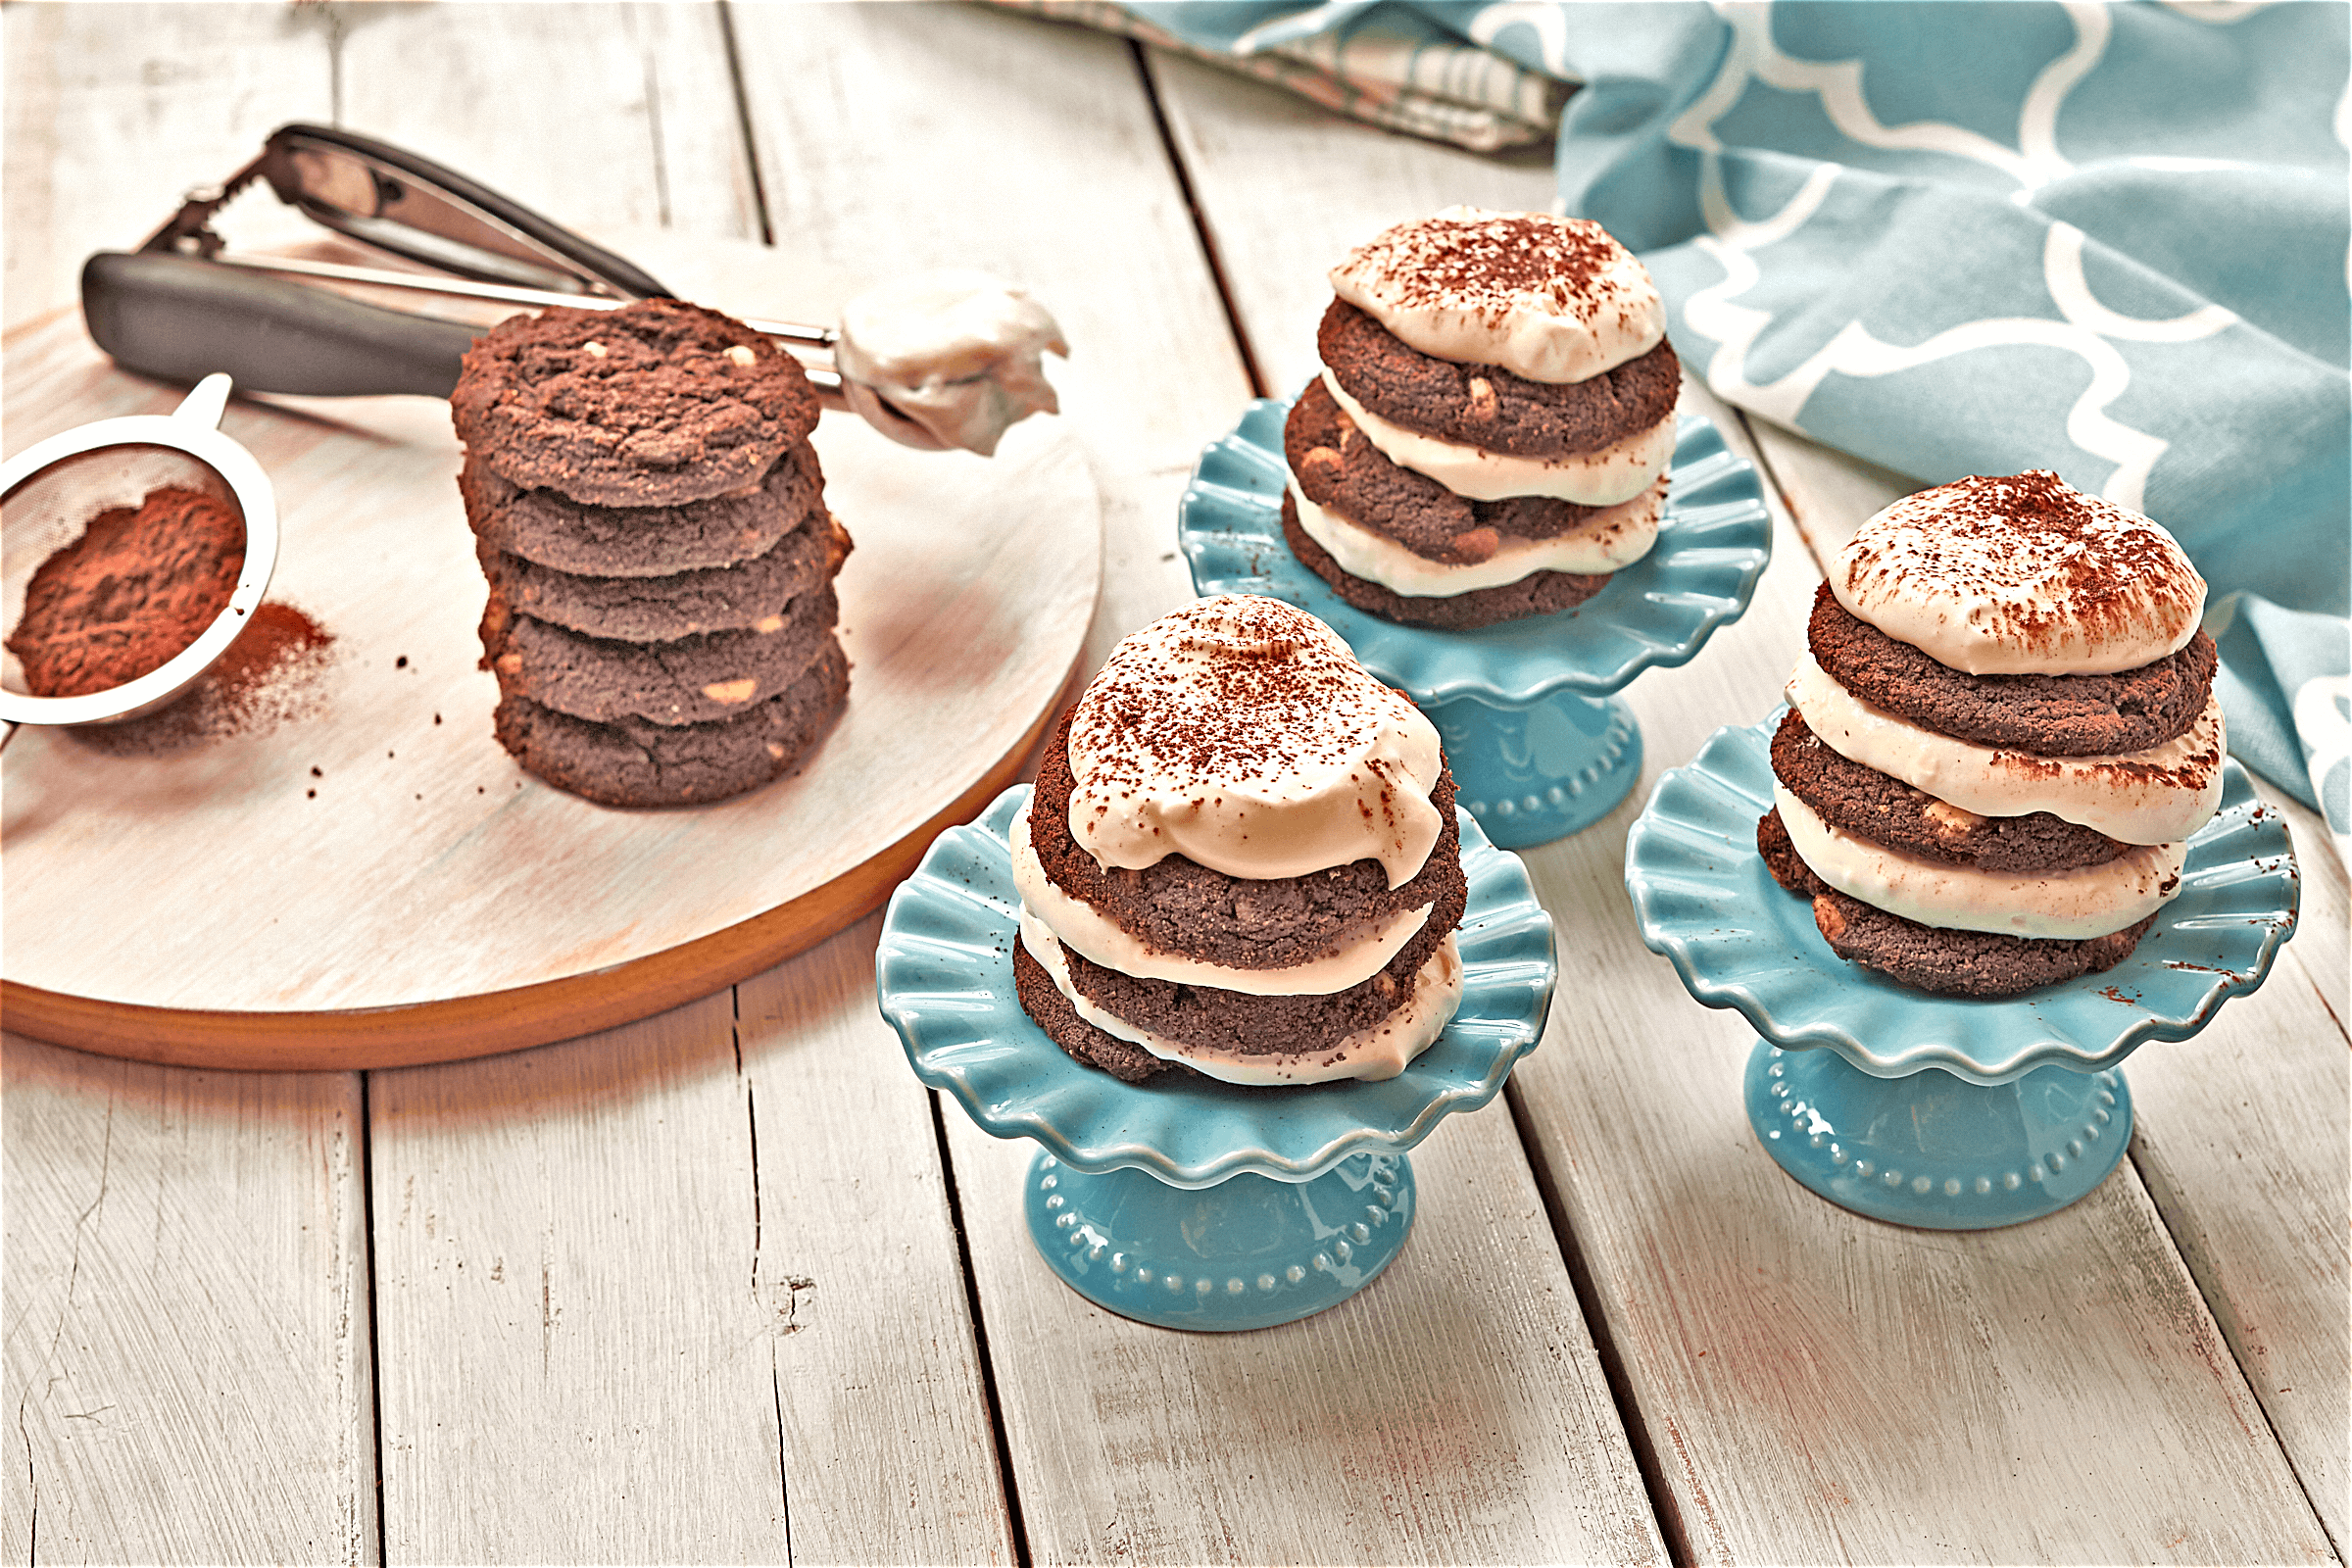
point(1984, 237)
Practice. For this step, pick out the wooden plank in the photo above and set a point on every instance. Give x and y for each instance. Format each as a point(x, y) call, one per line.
point(1808, 1385)
point(599, 114)
point(1451, 1412)
point(1819, 1387)
point(573, 1352)
point(444, 906)
point(186, 1315)
point(697, 1402)
point(185, 1285)
point(1287, 189)
point(686, 1292)
point(2242, 1140)
point(888, 1451)
point(113, 111)
point(893, 139)
point(1461, 1391)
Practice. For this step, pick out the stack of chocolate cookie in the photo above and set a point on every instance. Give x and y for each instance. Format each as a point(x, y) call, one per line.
point(1241, 859)
point(1491, 433)
point(651, 520)
point(2002, 733)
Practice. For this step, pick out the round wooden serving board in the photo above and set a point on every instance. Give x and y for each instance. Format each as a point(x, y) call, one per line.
point(430, 901)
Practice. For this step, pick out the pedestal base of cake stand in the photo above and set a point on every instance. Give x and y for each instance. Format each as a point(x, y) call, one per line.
point(1246, 1253)
point(1933, 1149)
point(1541, 770)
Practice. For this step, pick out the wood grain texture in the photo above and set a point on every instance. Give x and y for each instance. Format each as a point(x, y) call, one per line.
point(888, 1451)
point(398, 879)
point(1903, 1377)
point(572, 1347)
point(2245, 1144)
point(1451, 1412)
point(2242, 1132)
point(1455, 1411)
point(896, 137)
point(185, 1297)
point(601, 116)
point(1809, 1385)
point(112, 110)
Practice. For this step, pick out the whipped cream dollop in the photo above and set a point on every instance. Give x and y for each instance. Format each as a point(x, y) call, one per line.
point(2154, 795)
point(1379, 1051)
point(1550, 299)
point(2021, 575)
point(1601, 477)
point(1610, 539)
point(958, 352)
point(1240, 733)
point(1361, 953)
point(2087, 901)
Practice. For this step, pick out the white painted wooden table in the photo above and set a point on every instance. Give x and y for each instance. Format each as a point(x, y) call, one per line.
point(728, 1285)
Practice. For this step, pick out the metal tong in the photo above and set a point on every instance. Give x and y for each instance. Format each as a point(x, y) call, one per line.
point(183, 306)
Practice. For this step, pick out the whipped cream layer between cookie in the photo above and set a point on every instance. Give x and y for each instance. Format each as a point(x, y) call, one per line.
point(1240, 733)
point(1079, 925)
point(2021, 575)
point(1548, 298)
point(2088, 900)
point(1601, 478)
point(1602, 543)
point(1382, 1050)
point(2154, 795)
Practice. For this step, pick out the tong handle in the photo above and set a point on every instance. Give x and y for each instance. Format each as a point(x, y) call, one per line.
point(617, 272)
point(182, 319)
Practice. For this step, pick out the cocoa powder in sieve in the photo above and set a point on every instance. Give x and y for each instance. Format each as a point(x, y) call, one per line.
point(139, 585)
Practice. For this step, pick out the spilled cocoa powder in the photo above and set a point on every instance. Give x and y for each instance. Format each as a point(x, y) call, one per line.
point(271, 675)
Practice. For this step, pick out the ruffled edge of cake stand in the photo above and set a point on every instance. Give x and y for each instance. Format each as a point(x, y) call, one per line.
point(1714, 541)
point(1739, 940)
point(944, 980)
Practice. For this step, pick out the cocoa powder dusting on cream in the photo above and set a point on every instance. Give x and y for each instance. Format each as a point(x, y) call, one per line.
point(2029, 537)
point(1486, 265)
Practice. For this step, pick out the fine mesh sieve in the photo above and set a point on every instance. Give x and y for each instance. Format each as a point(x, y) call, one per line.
point(49, 493)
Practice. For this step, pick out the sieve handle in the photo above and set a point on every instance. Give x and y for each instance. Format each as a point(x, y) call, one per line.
point(182, 319)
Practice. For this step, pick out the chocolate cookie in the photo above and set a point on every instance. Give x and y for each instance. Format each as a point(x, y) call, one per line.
point(652, 405)
point(1339, 468)
point(553, 531)
point(1246, 1024)
point(751, 596)
point(1871, 805)
point(694, 680)
point(1947, 962)
point(1179, 906)
point(632, 763)
point(1538, 593)
point(2050, 715)
point(1053, 1013)
point(1486, 406)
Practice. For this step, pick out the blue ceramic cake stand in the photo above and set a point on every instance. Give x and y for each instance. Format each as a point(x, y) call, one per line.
point(1539, 743)
point(1939, 1111)
point(1185, 1201)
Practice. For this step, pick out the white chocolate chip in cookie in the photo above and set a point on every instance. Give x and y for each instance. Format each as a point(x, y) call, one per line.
point(732, 691)
point(741, 353)
point(594, 349)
